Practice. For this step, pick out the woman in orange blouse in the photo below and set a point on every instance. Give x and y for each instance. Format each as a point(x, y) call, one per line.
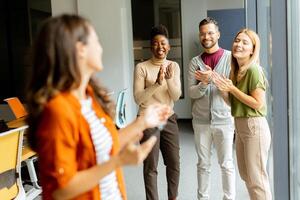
point(70, 123)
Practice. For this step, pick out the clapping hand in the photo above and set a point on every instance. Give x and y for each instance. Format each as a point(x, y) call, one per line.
point(133, 154)
point(156, 115)
point(169, 71)
point(204, 76)
point(222, 82)
point(160, 75)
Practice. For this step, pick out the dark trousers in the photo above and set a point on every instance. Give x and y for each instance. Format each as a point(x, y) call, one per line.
point(168, 143)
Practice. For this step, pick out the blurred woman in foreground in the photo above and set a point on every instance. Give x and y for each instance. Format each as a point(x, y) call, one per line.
point(70, 124)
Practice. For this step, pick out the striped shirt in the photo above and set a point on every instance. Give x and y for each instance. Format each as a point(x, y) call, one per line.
point(102, 141)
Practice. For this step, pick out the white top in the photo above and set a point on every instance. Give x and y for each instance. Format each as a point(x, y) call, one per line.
point(102, 141)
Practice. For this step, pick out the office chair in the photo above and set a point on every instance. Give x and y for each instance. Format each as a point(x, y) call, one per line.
point(120, 118)
point(10, 166)
point(16, 106)
point(28, 156)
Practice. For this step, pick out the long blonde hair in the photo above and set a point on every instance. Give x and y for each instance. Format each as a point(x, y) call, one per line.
point(238, 72)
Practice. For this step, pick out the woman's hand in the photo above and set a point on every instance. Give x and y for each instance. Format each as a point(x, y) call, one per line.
point(156, 115)
point(169, 71)
point(160, 75)
point(133, 153)
point(255, 100)
point(222, 83)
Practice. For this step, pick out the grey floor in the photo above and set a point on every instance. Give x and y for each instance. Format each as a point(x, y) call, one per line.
point(188, 177)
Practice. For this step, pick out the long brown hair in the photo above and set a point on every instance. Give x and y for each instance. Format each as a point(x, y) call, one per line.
point(55, 67)
point(238, 72)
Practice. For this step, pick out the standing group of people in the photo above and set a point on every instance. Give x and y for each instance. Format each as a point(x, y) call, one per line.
point(71, 127)
point(223, 85)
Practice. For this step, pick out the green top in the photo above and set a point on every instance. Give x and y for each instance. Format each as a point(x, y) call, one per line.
point(254, 78)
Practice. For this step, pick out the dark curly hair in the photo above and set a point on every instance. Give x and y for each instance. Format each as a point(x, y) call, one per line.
point(55, 67)
point(158, 30)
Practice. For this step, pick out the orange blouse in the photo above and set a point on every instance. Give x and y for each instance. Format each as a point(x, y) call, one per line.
point(65, 145)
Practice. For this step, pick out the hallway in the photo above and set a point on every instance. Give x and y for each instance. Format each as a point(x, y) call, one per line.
point(188, 177)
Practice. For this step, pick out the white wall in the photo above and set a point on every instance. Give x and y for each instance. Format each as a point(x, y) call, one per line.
point(65, 6)
point(224, 4)
point(192, 12)
point(112, 21)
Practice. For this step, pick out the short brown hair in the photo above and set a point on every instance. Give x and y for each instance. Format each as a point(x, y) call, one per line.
point(209, 20)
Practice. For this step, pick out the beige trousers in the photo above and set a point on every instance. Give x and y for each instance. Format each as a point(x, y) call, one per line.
point(252, 147)
point(221, 137)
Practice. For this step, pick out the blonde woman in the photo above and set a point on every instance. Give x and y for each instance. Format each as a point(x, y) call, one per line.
point(246, 93)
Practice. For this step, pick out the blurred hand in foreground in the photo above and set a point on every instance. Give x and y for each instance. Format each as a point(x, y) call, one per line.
point(156, 115)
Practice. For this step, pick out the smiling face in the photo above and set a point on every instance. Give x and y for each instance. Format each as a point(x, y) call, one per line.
point(242, 48)
point(209, 36)
point(94, 51)
point(160, 47)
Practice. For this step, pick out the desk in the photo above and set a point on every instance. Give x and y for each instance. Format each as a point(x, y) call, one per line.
point(17, 123)
point(26, 151)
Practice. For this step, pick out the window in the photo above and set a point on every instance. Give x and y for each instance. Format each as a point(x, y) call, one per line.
point(294, 95)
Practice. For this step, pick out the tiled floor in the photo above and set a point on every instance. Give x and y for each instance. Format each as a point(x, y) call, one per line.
point(188, 177)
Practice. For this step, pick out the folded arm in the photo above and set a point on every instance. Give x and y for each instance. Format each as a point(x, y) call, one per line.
point(255, 100)
point(141, 93)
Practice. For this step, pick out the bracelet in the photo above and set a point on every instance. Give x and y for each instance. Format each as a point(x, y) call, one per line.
point(209, 79)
